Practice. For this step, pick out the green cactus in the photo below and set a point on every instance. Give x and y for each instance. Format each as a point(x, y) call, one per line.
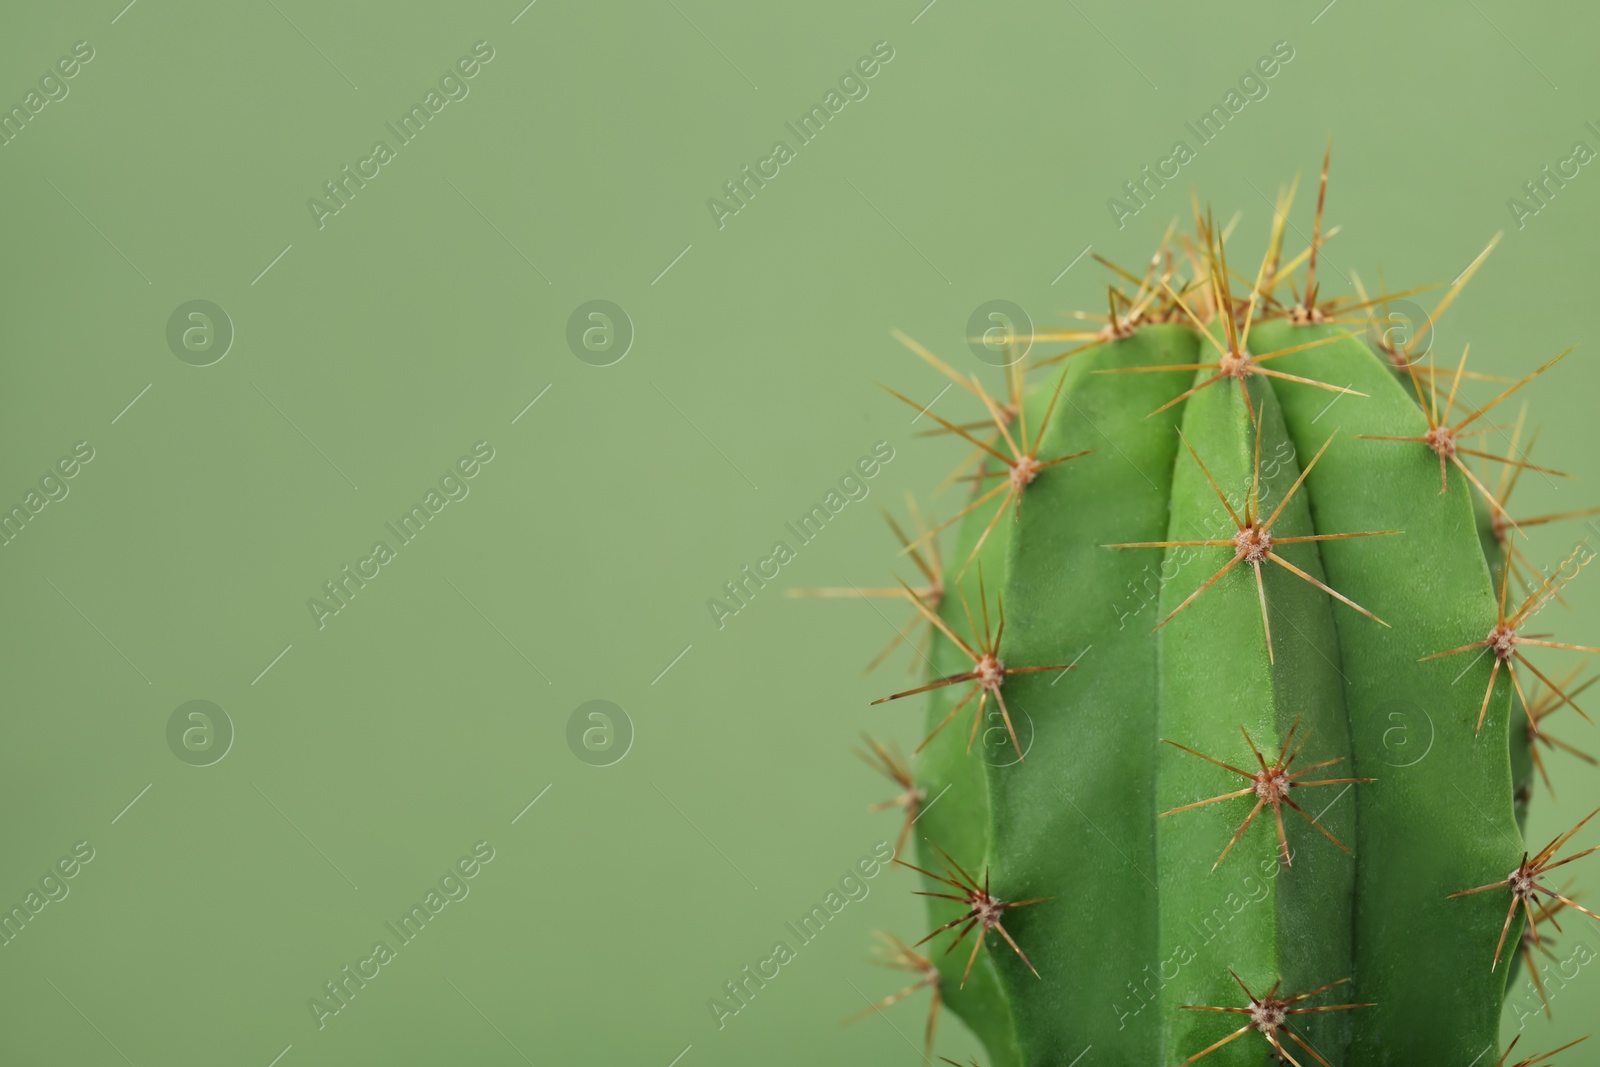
point(1218, 523)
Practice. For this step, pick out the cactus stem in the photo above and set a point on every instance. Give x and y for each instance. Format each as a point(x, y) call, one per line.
point(1443, 439)
point(1504, 638)
point(1270, 785)
point(984, 910)
point(988, 671)
point(1252, 542)
point(1269, 1016)
point(1186, 320)
point(1525, 885)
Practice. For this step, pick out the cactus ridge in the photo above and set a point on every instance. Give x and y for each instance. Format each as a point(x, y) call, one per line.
point(1253, 541)
point(1137, 578)
point(1445, 440)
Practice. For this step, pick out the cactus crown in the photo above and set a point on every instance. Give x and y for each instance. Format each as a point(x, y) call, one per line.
point(1223, 520)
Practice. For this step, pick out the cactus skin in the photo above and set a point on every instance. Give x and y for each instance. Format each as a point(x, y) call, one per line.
point(1077, 819)
point(1521, 743)
point(1214, 677)
point(1426, 830)
point(1040, 831)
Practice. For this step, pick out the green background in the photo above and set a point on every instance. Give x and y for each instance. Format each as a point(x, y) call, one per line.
point(428, 313)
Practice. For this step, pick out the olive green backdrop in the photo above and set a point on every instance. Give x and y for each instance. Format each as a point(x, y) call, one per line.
point(364, 753)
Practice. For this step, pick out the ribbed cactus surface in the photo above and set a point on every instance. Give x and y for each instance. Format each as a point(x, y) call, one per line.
point(1225, 691)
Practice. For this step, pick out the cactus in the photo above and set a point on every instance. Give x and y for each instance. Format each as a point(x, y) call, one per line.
point(1245, 640)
